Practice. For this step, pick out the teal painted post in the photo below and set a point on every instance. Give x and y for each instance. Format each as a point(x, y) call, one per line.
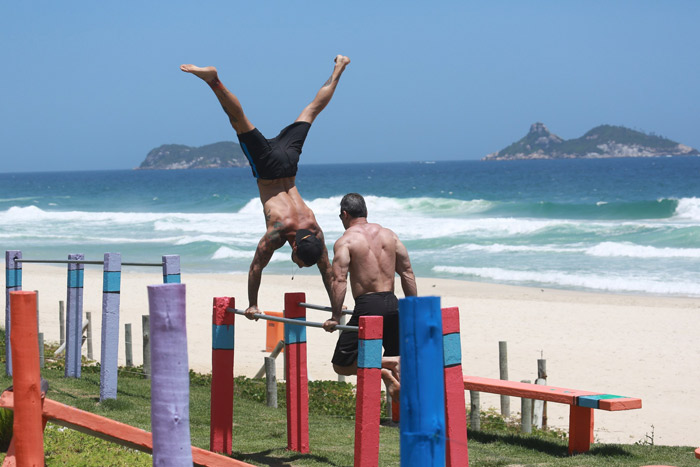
point(74, 318)
point(13, 282)
point(171, 269)
point(109, 356)
point(422, 420)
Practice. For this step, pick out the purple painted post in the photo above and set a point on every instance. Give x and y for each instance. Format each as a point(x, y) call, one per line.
point(13, 282)
point(171, 269)
point(74, 317)
point(170, 382)
point(111, 280)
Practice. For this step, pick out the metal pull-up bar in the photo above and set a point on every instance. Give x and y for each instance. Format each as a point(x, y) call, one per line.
point(297, 322)
point(321, 307)
point(80, 261)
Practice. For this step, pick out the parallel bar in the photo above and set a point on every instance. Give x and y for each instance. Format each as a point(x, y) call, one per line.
point(311, 324)
point(64, 261)
point(322, 308)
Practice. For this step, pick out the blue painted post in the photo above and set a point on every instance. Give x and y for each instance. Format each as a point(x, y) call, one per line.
point(422, 420)
point(74, 317)
point(111, 286)
point(170, 381)
point(171, 269)
point(13, 282)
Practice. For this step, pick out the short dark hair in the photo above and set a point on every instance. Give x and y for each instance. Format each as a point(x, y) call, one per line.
point(309, 247)
point(354, 205)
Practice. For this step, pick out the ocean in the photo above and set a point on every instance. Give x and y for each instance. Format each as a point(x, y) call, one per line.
point(614, 225)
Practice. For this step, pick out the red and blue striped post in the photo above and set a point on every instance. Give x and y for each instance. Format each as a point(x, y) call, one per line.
point(456, 450)
point(422, 424)
point(222, 375)
point(74, 317)
point(13, 283)
point(297, 377)
point(109, 355)
point(369, 386)
point(170, 378)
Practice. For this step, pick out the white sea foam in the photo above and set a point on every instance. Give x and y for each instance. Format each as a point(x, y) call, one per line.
point(630, 250)
point(225, 252)
point(688, 209)
point(598, 281)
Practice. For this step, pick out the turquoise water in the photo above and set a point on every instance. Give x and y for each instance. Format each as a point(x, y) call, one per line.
point(621, 225)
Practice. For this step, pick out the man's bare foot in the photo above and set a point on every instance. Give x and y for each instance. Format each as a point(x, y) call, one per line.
point(393, 387)
point(207, 73)
point(341, 61)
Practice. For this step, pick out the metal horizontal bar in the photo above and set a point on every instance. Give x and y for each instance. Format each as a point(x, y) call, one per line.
point(311, 324)
point(321, 307)
point(80, 261)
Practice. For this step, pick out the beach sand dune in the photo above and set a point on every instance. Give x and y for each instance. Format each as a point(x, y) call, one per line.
point(632, 345)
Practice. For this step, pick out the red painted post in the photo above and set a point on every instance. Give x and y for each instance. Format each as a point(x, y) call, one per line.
point(221, 423)
point(369, 388)
point(297, 377)
point(580, 429)
point(456, 450)
point(28, 426)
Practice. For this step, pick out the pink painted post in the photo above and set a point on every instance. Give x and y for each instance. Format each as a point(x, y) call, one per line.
point(222, 346)
point(456, 451)
point(368, 405)
point(297, 377)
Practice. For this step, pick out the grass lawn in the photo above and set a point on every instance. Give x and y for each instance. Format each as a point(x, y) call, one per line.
point(260, 432)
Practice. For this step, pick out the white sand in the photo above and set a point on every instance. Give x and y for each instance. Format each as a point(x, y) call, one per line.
point(639, 346)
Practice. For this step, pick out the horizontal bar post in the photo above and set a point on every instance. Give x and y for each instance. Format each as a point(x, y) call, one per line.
point(321, 307)
point(75, 261)
point(297, 322)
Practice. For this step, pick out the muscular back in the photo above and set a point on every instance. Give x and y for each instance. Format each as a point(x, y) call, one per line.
point(284, 209)
point(372, 250)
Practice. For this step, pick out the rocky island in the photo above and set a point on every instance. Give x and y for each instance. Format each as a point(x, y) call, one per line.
point(602, 141)
point(179, 156)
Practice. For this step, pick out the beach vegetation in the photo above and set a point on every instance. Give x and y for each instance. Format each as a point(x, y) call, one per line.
point(260, 432)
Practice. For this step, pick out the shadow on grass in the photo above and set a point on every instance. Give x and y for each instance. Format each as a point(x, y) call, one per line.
point(283, 458)
point(549, 447)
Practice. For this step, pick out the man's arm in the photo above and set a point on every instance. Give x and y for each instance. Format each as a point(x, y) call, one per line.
point(267, 245)
point(324, 267)
point(339, 283)
point(404, 270)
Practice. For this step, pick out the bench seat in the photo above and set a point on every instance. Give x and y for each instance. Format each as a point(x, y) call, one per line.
point(582, 404)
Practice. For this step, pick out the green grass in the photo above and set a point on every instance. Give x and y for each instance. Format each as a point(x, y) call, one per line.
point(259, 432)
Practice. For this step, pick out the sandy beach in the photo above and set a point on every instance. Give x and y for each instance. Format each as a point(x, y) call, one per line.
point(633, 345)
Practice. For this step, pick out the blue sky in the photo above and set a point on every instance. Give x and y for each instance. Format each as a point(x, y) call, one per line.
point(96, 85)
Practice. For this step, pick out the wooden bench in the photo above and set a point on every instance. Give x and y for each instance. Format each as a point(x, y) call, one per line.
point(582, 404)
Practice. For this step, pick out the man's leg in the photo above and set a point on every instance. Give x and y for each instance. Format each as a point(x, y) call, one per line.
point(227, 99)
point(389, 374)
point(323, 97)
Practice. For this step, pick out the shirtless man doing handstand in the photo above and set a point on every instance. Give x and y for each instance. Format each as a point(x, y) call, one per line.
point(372, 255)
point(274, 165)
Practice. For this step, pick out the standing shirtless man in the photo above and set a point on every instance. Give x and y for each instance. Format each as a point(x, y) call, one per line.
point(274, 164)
point(372, 254)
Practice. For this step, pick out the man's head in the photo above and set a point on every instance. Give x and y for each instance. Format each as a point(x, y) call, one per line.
point(354, 205)
point(308, 248)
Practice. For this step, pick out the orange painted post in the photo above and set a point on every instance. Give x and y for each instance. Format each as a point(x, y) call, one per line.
point(221, 423)
point(28, 427)
point(275, 332)
point(369, 388)
point(580, 429)
point(697, 453)
point(456, 450)
point(297, 377)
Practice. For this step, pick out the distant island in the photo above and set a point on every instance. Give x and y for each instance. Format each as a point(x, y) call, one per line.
point(600, 142)
point(179, 156)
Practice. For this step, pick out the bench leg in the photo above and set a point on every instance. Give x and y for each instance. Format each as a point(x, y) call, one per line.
point(580, 429)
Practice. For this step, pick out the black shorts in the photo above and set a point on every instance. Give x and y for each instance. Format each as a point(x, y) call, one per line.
point(278, 157)
point(372, 304)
